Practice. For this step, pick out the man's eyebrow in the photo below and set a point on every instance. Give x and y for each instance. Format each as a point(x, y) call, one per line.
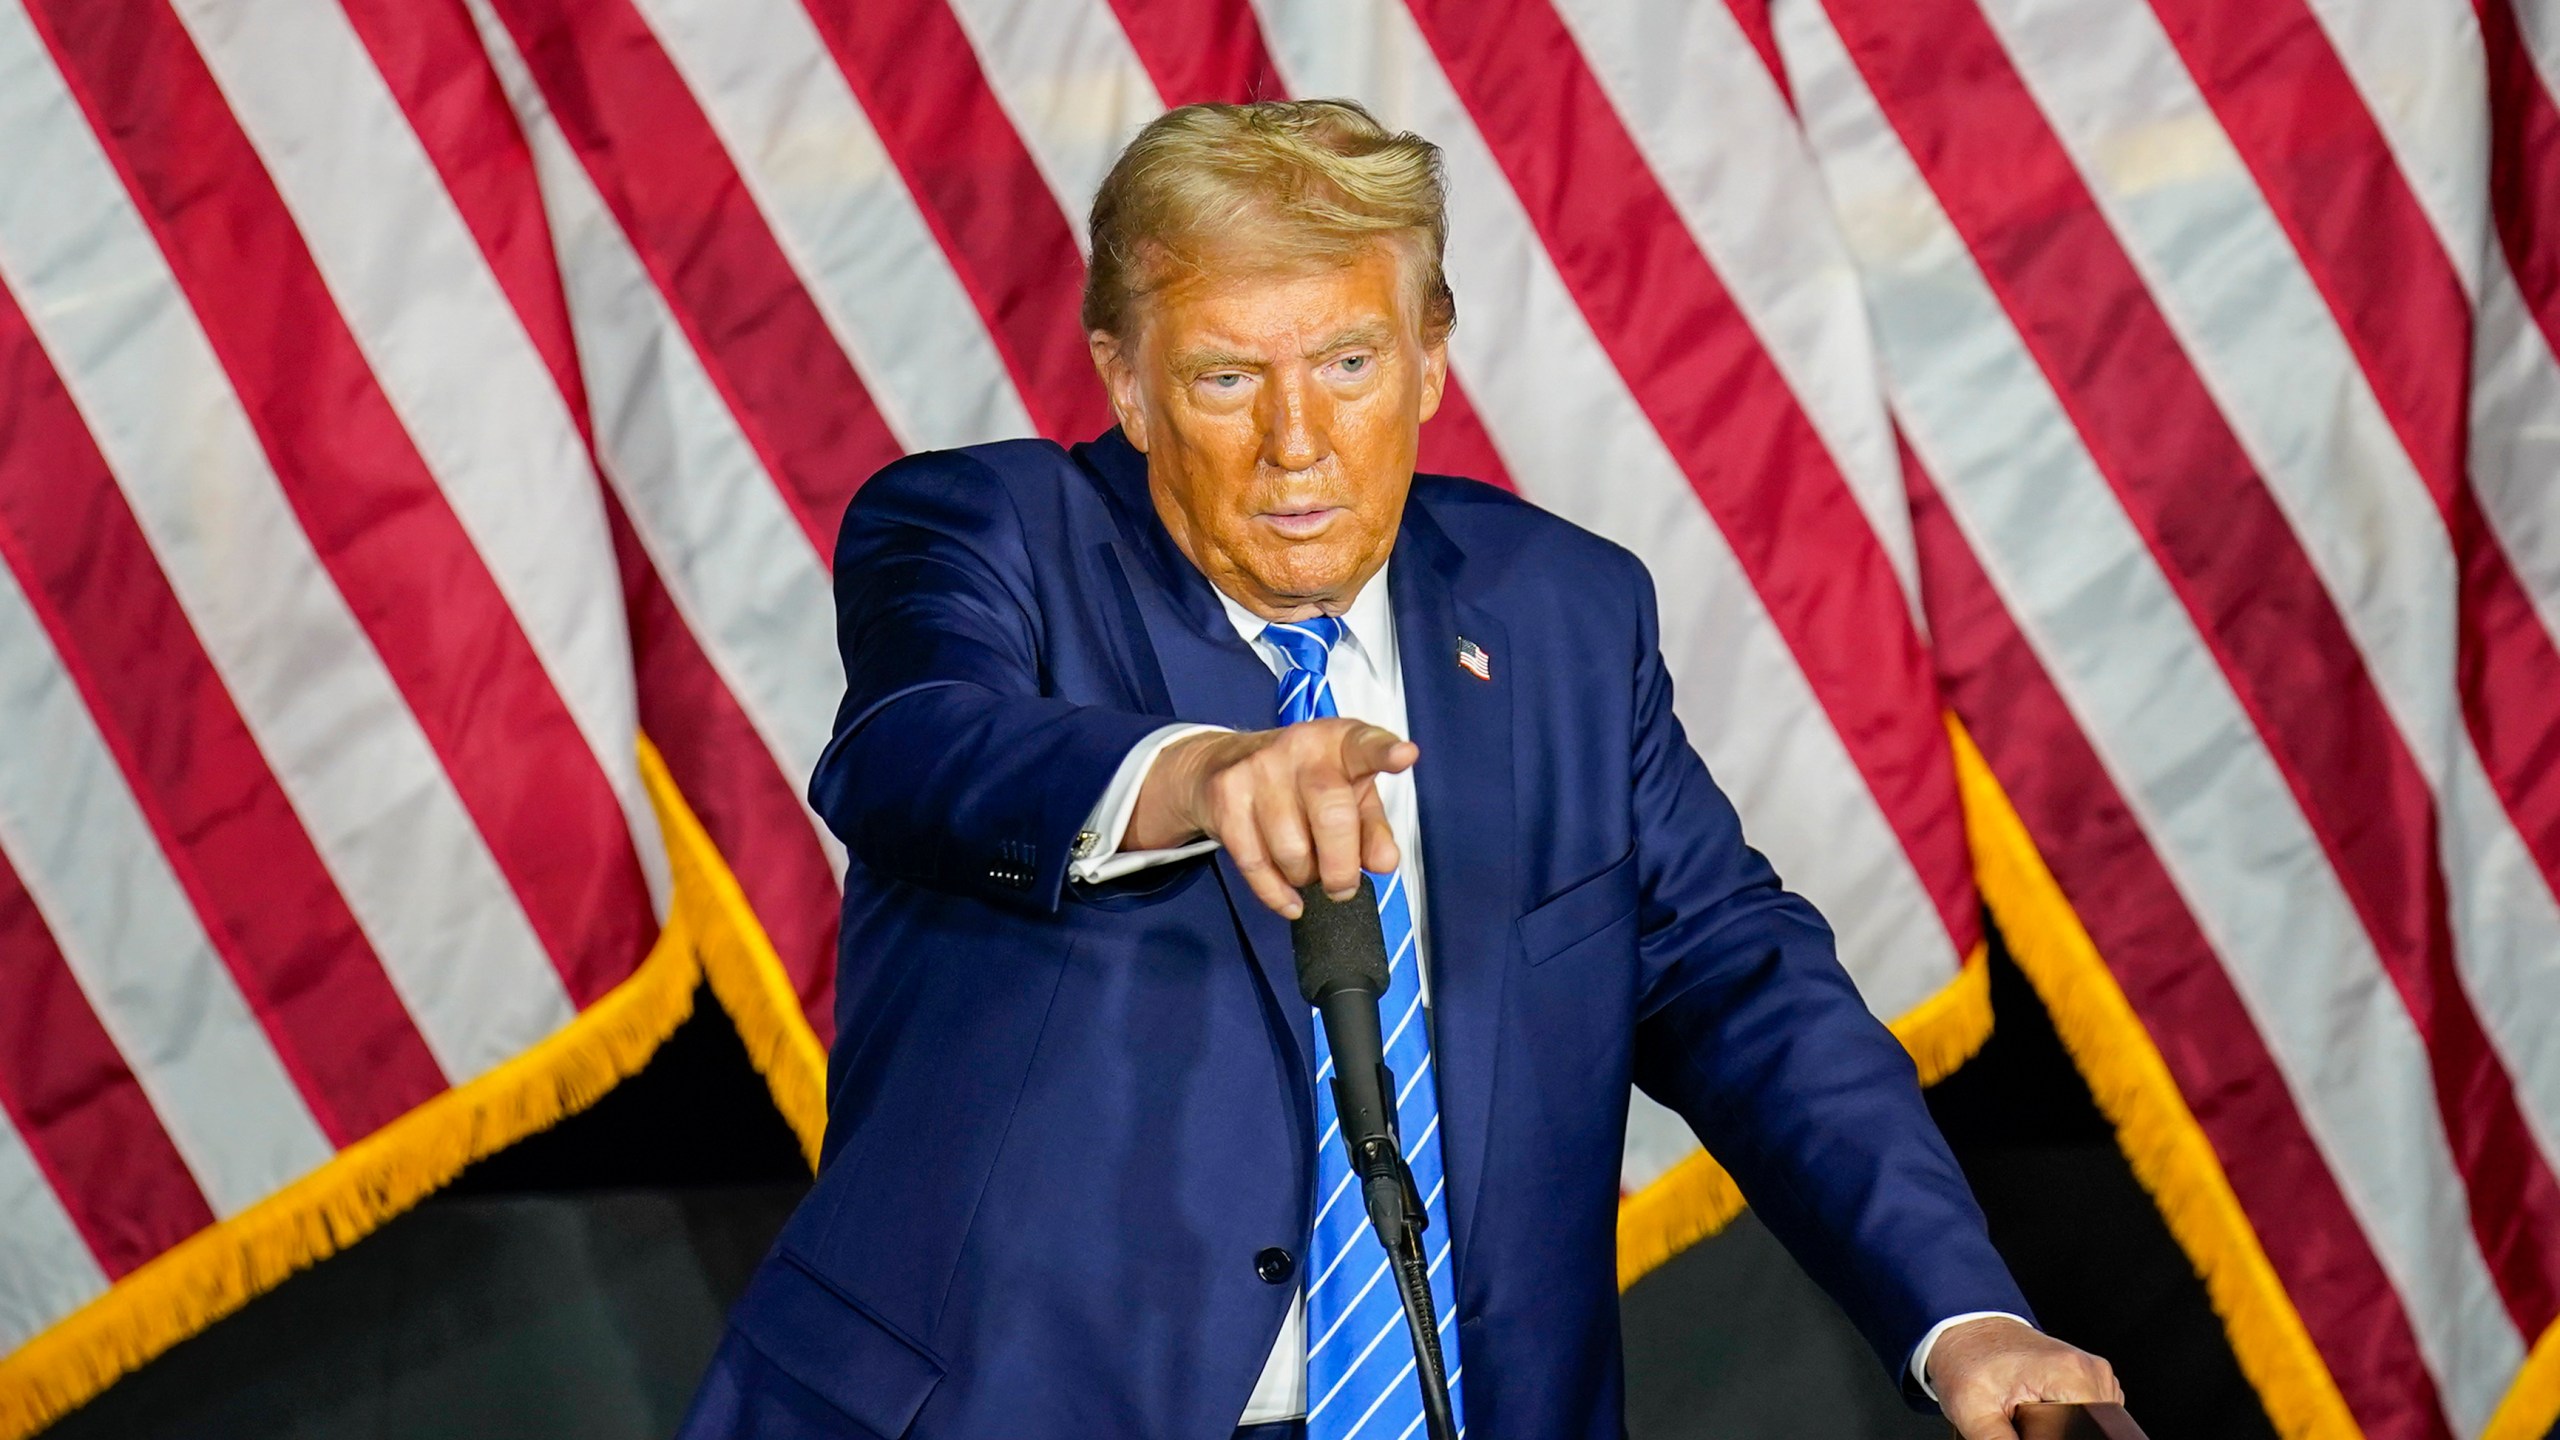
point(1372, 336)
point(1210, 357)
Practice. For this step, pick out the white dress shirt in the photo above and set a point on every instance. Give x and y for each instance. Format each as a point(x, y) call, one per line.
point(1368, 684)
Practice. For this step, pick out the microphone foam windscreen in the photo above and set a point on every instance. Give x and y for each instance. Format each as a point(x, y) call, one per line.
point(1340, 943)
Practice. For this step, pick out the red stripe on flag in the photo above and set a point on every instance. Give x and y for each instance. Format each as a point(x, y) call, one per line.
point(712, 752)
point(1752, 16)
point(440, 74)
point(2233, 559)
point(1201, 51)
point(68, 1092)
point(750, 809)
point(994, 216)
point(662, 171)
point(266, 900)
point(1168, 36)
point(2329, 175)
point(1454, 441)
point(2326, 171)
point(2524, 164)
point(1722, 407)
point(2177, 986)
point(374, 512)
point(2509, 675)
point(2510, 671)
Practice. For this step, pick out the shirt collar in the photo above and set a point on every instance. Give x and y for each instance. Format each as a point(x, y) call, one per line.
point(1369, 627)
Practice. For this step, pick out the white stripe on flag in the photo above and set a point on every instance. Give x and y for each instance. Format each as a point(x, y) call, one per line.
point(2392, 48)
point(308, 682)
point(2267, 345)
point(2419, 66)
point(1065, 74)
point(2155, 704)
point(2538, 22)
point(2515, 437)
point(46, 1271)
point(1657, 1139)
point(843, 217)
point(1702, 106)
point(2262, 338)
point(132, 939)
point(734, 558)
point(450, 352)
point(2505, 918)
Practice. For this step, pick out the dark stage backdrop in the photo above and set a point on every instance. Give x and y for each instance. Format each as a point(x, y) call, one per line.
point(571, 1288)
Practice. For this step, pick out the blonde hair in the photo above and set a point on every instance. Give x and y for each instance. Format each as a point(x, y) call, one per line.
point(1280, 185)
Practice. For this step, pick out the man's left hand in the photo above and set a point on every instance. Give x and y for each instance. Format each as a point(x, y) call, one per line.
point(1984, 1369)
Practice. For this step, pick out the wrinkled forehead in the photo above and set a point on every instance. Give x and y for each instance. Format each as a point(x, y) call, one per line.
point(1241, 276)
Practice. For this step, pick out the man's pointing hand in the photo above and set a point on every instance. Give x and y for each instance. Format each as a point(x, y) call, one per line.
point(1290, 805)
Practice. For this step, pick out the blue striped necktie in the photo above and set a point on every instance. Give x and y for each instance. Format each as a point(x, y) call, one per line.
point(1360, 1368)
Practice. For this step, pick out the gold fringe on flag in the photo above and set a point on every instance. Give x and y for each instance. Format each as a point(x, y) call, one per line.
point(739, 961)
point(219, 1269)
point(2531, 1410)
point(2168, 1151)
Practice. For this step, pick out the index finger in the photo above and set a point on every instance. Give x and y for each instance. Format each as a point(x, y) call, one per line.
point(1372, 749)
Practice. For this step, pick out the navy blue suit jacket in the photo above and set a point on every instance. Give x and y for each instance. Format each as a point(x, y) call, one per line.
point(1064, 1121)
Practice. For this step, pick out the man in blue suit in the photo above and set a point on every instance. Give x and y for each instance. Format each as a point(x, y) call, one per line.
point(1106, 710)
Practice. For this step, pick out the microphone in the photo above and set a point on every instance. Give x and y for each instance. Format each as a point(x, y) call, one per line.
point(1342, 972)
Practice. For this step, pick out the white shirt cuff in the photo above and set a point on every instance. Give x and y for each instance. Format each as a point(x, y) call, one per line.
point(1929, 1342)
point(1098, 856)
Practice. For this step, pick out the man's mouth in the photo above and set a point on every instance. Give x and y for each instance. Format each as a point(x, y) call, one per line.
point(1301, 524)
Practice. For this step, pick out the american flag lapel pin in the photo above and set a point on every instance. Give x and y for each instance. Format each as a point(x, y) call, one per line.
point(1474, 659)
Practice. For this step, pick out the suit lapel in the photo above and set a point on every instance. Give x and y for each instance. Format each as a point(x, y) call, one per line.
point(1208, 674)
point(1464, 788)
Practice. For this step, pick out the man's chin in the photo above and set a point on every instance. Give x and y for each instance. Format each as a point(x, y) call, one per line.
point(1299, 590)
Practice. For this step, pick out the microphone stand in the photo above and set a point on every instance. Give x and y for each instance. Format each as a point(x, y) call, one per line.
point(1397, 1213)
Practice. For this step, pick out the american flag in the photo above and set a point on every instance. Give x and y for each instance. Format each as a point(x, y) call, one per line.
point(2097, 458)
point(1473, 659)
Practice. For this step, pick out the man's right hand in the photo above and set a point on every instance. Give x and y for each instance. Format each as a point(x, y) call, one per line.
point(1290, 805)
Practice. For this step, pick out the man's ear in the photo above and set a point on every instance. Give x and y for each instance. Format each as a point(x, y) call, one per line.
point(1118, 368)
point(1435, 375)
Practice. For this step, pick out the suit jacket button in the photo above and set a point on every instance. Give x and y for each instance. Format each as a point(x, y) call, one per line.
point(1275, 1266)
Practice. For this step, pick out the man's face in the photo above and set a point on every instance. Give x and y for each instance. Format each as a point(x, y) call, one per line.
point(1279, 414)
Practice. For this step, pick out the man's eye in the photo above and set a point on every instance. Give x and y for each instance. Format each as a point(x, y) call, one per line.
point(1227, 381)
point(1355, 364)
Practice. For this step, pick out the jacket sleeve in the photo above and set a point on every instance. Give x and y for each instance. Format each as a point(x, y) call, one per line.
point(1749, 1028)
point(949, 767)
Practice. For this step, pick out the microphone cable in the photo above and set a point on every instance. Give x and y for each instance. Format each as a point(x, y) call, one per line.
point(1406, 1256)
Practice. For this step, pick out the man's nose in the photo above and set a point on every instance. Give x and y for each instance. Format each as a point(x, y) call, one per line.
point(1295, 435)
